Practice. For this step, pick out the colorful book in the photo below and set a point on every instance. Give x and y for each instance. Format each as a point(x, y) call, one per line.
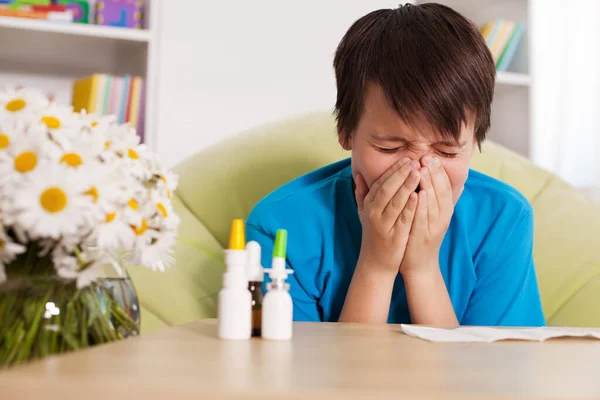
point(100, 94)
point(115, 96)
point(511, 48)
point(85, 93)
point(124, 99)
point(135, 101)
point(502, 39)
point(142, 114)
point(122, 96)
point(494, 32)
point(129, 97)
point(106, 98)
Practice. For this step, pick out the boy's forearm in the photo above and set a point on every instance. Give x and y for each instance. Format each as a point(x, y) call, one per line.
point(369, 295)
point(428, 300)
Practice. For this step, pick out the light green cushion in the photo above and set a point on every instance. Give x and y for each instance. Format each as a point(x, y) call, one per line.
point(225, 181)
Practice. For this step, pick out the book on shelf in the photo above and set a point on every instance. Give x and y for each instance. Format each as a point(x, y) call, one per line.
point(503, 38)
point(121, 96)
point(117, 13)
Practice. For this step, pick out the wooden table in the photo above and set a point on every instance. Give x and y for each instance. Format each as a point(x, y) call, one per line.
point(323, 361)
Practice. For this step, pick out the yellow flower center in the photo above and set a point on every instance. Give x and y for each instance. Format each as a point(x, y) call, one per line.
point(168, 193)
point(106, 145)
point(132, 154)
point(162, 178)
point(71, 159)
point(94, 124)
point(92, 192)
point(4, 141)
point(110, 217)
point(15, 105)
point(53, 199)
point(162, 209)
point(25, 161)
point(133, 204)
point(139, 230)
point(51, 122)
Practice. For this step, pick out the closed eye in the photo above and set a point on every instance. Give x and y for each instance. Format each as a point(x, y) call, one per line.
point(447, 155)
point(388, 151)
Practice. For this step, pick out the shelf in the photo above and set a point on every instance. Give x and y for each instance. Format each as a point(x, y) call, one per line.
point(513, 78)
point(74, 29)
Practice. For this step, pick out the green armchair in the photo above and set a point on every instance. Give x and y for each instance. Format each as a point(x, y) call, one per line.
point(225, 181)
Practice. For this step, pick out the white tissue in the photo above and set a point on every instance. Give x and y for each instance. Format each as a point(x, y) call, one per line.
point(472, 334)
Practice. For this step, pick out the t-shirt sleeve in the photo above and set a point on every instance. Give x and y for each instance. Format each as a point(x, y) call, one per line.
point(306, 307)
point(506, 292)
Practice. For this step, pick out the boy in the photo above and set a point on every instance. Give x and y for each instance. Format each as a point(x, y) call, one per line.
point(405, 232)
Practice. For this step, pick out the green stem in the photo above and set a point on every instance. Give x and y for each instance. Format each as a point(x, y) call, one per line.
point(33, 329)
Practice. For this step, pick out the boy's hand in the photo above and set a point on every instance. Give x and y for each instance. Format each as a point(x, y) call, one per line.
point(432, 218)
point(386, 213)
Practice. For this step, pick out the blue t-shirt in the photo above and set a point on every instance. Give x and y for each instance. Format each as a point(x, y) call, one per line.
point(485, 258)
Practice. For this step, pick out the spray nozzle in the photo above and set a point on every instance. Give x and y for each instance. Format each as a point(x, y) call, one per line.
point(254, 267)
point(278, 270)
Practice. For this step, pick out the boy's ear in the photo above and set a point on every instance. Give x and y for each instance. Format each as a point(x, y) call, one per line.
point(345, 141)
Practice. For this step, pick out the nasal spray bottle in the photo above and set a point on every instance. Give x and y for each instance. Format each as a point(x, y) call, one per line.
point(277, 307)
point(256, 276)
point(234, 311)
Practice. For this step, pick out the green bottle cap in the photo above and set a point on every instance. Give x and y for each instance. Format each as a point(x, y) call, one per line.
point(280, 243)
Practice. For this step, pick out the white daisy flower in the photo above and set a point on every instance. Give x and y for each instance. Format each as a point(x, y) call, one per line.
point(10, 132)
point(168, 183)
point(157, 254)
point(82, 150)
point(52, 203)
point(61, 120)
point(98, 124)
point(135, 208)
point(114, 233)
point(24, 155)
point(163, 216)
point(9, 249)
point(23, 104)
point(122, 138)
point(102, 182)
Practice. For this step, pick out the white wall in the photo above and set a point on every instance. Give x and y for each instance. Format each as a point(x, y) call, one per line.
point(226, 66)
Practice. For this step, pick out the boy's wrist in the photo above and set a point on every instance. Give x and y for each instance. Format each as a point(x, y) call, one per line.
point(423, 273)
point(372, 267)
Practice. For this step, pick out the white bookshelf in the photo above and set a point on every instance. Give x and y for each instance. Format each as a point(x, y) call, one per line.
point(511, 110)
point(51, 56)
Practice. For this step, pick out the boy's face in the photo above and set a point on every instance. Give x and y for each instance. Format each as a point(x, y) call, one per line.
point(383, 138)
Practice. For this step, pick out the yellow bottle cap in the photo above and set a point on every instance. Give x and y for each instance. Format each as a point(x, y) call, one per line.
point(237, 236)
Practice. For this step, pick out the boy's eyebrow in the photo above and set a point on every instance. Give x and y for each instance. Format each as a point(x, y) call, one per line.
point(385, 137)
point(451, 143)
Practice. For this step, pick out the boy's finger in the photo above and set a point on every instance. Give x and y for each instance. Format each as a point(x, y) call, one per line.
point(406, 217)
point(441, 184)
point(397, 203)
point(427, 186)
point(388, 189)
point(420, 224)
point(383, 178)
point(361, 191)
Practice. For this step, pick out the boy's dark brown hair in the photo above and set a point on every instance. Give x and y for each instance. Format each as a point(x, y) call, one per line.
point(431, 62)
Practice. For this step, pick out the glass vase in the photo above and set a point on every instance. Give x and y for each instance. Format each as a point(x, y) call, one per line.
point(43, 314)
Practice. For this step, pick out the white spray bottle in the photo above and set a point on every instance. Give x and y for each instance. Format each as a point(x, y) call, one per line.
point(277, 309)
point(234, 311)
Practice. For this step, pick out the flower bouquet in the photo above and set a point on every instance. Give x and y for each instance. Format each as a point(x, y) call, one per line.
point(80, 198)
